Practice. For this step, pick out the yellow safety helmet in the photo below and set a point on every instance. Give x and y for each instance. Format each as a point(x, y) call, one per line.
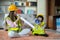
point(39, 15)
point(12, 7)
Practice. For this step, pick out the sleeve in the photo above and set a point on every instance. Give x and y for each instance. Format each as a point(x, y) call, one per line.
point(10, 23)
point(5, 24)
point(42, 24)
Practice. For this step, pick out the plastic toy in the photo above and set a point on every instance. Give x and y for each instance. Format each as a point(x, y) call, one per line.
point(36, 29)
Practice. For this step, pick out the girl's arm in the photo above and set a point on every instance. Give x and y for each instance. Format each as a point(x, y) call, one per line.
point(4, 25)
point(42, 24)
point(10, 23)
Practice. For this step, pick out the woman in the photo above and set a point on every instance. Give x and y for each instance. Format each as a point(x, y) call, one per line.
point(14, 24)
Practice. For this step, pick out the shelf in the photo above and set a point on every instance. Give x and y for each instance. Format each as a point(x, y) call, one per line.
point(57, 15)
point(26, 6)
point(20, 6)
point(1, 12)
point(31, 6)
point(32, 0)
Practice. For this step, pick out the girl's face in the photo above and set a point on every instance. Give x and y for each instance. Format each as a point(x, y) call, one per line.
point(14, 13)
point(40, 19)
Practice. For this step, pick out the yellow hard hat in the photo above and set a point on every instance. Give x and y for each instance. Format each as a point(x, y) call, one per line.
point(39, 15)
point(12, 7)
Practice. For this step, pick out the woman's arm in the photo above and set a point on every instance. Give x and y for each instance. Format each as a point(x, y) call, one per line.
point(17, 19)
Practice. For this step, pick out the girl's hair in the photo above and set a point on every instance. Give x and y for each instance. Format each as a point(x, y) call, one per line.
point(41, 17)
point(12, 16)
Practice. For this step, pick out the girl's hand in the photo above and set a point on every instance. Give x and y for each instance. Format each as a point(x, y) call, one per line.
point(15, 24)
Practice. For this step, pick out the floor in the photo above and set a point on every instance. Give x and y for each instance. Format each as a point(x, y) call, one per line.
point(52, 36)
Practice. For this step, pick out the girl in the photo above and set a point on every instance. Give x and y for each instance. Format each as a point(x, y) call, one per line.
point(39, 29)
point(14, 24)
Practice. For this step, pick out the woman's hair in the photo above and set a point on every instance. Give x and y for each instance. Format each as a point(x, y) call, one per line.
point(41, 17)
point(12, 16)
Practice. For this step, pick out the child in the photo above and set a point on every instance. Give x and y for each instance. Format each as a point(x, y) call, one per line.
point(14, 24)
point(39, 30)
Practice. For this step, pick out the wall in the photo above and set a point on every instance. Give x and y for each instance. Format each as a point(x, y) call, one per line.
point(42, 8)
point(4, 5)
point(3, 13)
point(1, 19)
